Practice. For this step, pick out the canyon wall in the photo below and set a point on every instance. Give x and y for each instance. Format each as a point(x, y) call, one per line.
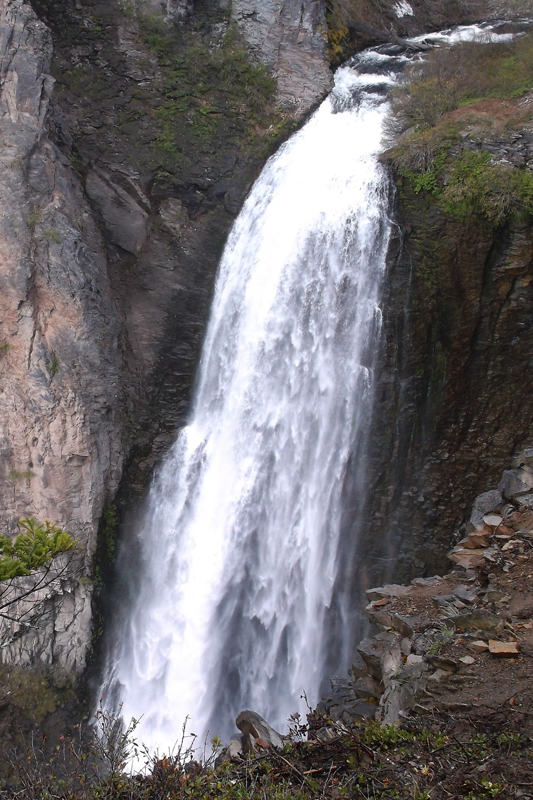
point(59, 438)
point(131, 133)
point(115, 207)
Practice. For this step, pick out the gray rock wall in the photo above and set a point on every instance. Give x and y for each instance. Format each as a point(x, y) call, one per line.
point(290, 37)
point(59, 438)
point(106, 269)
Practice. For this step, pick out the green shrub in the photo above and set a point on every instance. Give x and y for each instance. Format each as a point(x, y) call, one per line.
point(53, 365)
point(53, 236)
point(202, 86)
point(36, 546)
point(497, 191)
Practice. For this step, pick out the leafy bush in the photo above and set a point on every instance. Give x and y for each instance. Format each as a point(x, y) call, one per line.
point(36, 546)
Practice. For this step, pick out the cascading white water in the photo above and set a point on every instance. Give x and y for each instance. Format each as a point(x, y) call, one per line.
point(240, 543)
point(241, 538)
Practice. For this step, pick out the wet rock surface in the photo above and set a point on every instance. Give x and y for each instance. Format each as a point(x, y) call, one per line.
point(454, 382)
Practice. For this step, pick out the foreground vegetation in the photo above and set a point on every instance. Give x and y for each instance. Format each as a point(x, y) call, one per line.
point(447, 108)
point(443, 757)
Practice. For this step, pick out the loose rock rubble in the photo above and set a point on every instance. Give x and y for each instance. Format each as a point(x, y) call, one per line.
point(438, 633)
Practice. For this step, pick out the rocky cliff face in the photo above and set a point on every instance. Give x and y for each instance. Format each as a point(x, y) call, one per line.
point(290, 37)
point(118, 187)
point(455, 396)
point(166, 173)
point(59, 442)
point(116, 202)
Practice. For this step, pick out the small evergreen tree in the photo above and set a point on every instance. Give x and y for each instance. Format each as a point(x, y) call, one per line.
point(31, 553)
point(37, 545)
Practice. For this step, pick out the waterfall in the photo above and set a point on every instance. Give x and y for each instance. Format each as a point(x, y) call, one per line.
point(241, 538)
point(240, 578)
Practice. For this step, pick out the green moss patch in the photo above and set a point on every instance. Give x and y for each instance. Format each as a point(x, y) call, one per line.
point(30, 691)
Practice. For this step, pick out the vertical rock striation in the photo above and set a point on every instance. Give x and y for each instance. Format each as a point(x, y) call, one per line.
point(59, 439)
point(456, 396)
point(290, 37)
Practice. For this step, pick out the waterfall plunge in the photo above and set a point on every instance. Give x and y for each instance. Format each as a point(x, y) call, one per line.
point(241, 543)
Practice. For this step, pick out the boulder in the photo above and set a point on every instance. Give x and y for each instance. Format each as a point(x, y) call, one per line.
point(439, 675)
point(123, 210)
point(405, 626)
point(389, 591)
point(484, 504)
point(337, 683)
point(234, 748)
point(372, 650)
point(327, 734)
point(391, 661)
point(426, 581)
point(441, 600)
point(401, 692)
point(248, 743)
point(350, 712)
point(379, 617)
point(465, 594)
point(250, 723)
point(524, 457)
point(478, 646)
point(476, 539)
point(366, 687)
point(406, 646)
point(515, 482)
point(480, 619)
point(466, 557)
point(493, 520)
point(356, 671)
point(526, 500)
point(441, 662)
